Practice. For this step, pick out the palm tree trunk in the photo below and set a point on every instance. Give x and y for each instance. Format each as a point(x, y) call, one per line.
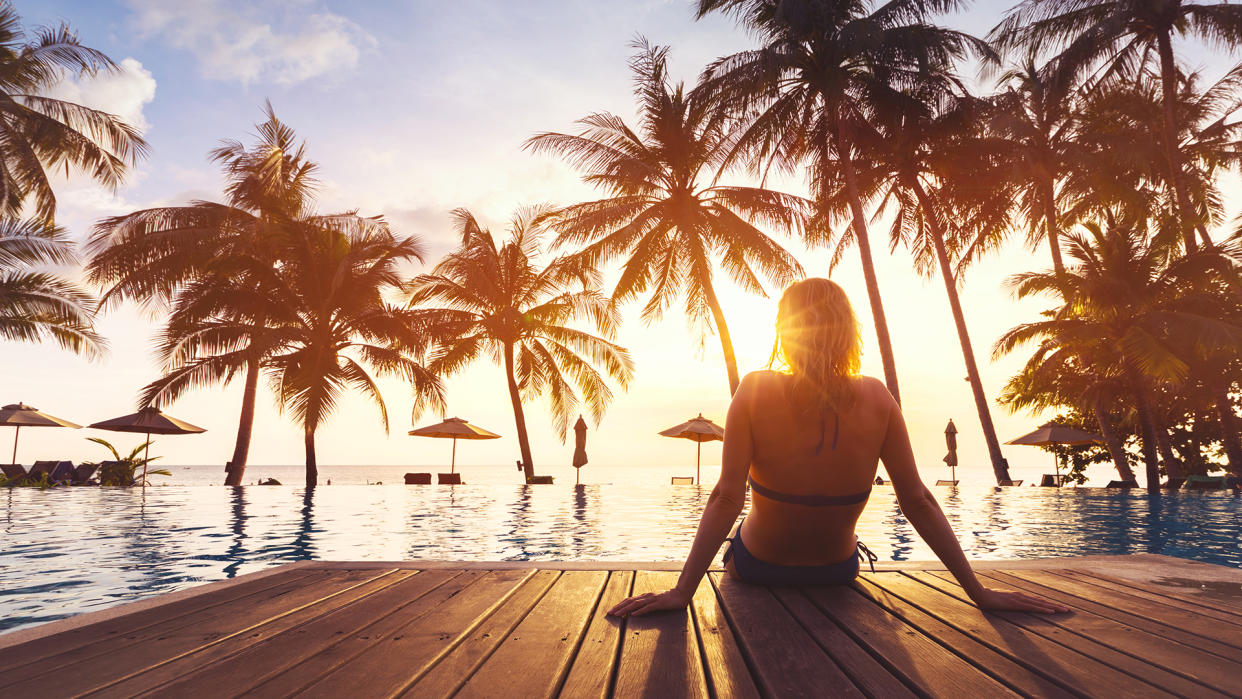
point(1229, 428)
point(312, 465)
point(1000, 467)
point(1172, 465)
point(1052, 231)
point(236, 468)
point(1168, 78)
point(1116, 449)
point(519, 416)
point(726, 342)
point(1147, 430)
point(864, 251)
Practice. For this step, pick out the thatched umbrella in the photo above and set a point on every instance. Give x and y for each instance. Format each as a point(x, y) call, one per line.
point(454, 428)
point(20, 415)
point(148, 421)
point(950, 440)
point(1051, 434)
point(698, 430)
point(580, 455)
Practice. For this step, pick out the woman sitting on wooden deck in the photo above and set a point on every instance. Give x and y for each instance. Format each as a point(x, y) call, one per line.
point(808, 442)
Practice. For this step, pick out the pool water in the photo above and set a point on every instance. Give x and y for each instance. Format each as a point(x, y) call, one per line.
point(73, 550)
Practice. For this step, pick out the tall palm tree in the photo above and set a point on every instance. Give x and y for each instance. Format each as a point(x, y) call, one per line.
point(40, 305)
point(808, 92)
point(1127, 298)
point(918, 155)
point(323, 318)
point(665, 212)
point(153, 255)
point(38, 132)
point(494, 299)
point(1119, 37)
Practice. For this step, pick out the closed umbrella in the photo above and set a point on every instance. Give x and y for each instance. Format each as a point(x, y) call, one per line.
point(950, 439)
point(1052, 433)
point(580, 456)
point(20, 415)
point(699, 430)
point(454, 428)
point(148, 421)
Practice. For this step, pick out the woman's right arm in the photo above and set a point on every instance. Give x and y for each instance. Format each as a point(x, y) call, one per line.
point(924, 513)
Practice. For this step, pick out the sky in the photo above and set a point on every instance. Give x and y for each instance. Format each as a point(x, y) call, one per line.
point(415, 108)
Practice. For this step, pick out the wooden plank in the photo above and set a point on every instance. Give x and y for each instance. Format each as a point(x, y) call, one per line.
point(533, 659)
point(916, 659)
point(388, 655)
point(1189, 627)
point(1113, 588)
point(301, 636)
point(660, 652)
point(1018, 677)
point(866, 672)
point(591, 672)
point(1135, 635)
point(1231, 609)
point(1024, 647)
point(727, 672)
point(241, 662)
point(173, 615)
point(456, 666)
point(1042, 625)
point(786, 660)
point(124, 657)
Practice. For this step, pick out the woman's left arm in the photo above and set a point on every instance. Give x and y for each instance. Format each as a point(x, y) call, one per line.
point(722, 510)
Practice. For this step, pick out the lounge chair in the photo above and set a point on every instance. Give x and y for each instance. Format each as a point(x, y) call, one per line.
point(448, 478)
point(1012, 483)
point(941, 481)
point(1194, 482)
point(83, 473)
point(1122, 484)
point(62, 472)
point(43, 469)
point(13, 472)
point(1051, 480)
point(539, 480)
point(418, 479)
point(683, 480)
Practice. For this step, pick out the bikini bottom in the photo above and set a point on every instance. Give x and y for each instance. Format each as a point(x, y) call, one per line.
point(758, 572)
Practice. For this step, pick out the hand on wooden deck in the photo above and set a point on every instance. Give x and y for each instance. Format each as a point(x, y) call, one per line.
point(651, 602)
point(1009, 601)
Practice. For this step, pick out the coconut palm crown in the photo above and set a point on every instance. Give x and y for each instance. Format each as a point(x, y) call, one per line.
point(35, 304)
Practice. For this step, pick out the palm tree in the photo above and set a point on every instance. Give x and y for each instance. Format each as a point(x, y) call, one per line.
point(1130, 299)
point(323, 318)
point(808, 92)
point(493, 298)
point(153, 255)
point(664, 210)
point(35, 305)
point(1120, 36)
point(38, 132)
point(919, 155)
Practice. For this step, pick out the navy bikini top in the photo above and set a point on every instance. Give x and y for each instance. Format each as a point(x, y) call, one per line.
point(814, 500)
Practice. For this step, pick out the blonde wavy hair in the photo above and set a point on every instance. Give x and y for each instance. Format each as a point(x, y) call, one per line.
point(819, 344)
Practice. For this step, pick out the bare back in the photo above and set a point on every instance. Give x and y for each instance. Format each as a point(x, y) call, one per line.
point(784, 458)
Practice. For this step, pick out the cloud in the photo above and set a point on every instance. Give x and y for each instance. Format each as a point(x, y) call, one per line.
point(235, 40)
point(123, 93)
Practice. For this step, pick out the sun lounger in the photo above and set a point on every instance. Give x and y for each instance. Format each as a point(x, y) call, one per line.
point(43, 469)
point(13, 472)
point(82, 474)
point(448, 478)
point(62, 472)
point(1122, 484)
point(941, 481)
point(1194, 482)
point(1051, 480)
point(683, 480)
point(539, 480)
point(418, 479)
point(1012, 483)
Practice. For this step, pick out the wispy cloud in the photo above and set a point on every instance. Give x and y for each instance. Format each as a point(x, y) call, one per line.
point(235, 39)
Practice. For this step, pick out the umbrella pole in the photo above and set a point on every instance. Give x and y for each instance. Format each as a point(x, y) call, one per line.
point(146, 458)
point(698, 459)
point(453, 463)
point(16, 432)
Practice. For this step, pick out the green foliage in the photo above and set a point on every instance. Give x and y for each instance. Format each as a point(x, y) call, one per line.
point(126, 470)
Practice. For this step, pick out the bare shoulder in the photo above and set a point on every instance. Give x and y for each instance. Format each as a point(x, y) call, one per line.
point(873, 392)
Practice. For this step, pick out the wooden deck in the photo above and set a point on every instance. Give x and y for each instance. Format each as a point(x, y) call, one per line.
point(1152, 626)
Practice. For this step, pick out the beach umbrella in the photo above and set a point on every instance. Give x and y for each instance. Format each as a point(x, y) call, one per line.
point(950, 440)
point(580, 456)
point(1051, 433)
point(454, 428)
point(20, 415)
point(699, 430)
point(148, 421)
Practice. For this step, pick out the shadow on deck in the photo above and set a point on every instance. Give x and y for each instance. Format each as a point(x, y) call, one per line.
point(1142, 625)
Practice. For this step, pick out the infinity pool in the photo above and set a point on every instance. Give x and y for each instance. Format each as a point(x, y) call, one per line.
point(73, 550)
